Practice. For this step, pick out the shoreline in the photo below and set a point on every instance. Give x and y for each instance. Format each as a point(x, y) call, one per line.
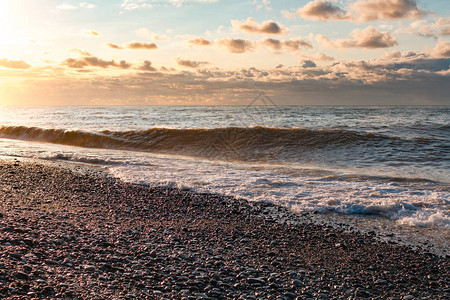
point(69, 234)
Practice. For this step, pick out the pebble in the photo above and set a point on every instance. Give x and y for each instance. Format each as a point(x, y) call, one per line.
point(100, 238)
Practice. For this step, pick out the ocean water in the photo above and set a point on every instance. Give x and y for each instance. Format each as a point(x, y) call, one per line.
point(388, 162)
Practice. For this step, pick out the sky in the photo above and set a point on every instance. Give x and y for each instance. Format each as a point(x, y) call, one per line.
point(224, 52)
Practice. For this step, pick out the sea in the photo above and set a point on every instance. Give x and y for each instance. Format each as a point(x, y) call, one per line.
point(362, 162)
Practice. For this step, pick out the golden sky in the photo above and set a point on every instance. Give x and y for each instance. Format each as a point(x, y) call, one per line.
point(217, 52)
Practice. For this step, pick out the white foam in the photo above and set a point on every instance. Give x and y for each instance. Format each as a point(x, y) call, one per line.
point(299, 188)
point(427, 219)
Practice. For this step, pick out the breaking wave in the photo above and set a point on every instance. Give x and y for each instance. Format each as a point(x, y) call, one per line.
point(240, 143)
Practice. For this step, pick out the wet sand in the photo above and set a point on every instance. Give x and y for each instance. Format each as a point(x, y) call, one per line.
point(78, 234)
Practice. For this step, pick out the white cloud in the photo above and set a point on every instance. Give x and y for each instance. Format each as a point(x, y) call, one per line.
point(262, 4)
point(87, 5)
point(135, 4)
point(66, 7)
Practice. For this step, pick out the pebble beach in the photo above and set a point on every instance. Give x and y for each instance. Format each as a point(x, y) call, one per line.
point(67, 233)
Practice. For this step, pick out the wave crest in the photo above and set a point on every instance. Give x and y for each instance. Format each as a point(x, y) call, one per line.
point(236, 143)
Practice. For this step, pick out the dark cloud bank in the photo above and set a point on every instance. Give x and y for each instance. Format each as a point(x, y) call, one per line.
point(407, 79)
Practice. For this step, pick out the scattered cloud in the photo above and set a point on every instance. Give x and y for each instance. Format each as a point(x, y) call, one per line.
point(440, 27)
point(443, 25)
point(250, 26)
point(307, 64)
point(441, 50)
point(134, 46)
point(141, 46)
point(319, 56)
point(392, 54)
point(242, 45)
point(372, 10)
point(92, 33)
point(397, 78)
point(368, 38)
point(236, 45)
point(114, 46)
point(262, 4)
point(136, 4)
point(420, 28)
point(322, 11)
point(92, 61)
point(360, 11)
point(87, 5)
point(200, 42)
point(81, 52)
point(66, 7)
point(289, 45)
point(147, 66)
point(13, 64)
point(190, 63)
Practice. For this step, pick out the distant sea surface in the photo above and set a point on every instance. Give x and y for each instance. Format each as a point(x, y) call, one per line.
point(389, 161)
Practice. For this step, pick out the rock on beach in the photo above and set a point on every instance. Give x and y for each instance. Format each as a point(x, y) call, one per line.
point(79, 234)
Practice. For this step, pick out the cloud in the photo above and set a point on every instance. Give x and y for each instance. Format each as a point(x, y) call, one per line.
point(132, 5)
point(360, 10)
point(92, 33)
point(322, 11)
point(81, 52)
point(443, 25)
point(147, 66)
point(200, 42)
point(423, 28)
point(140, 45)
point(190, 63)
point(441, 50)
point(87, 5)
point(404, 78)
point(13, 64)
point(242, 45)
point(307, 64)
point(319, 56)
point(372, 10)
point(262, 4)
point(147, 34)
point(137, 4)
point(391, 55)
point(368, 38)
point(289, 45)
point(114, 46)
point(92, 61)
point(134, 46)
point(66, 7)
point(252, 27)
point(236, 45)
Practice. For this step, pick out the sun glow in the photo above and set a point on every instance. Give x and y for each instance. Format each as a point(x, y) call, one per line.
point(6, 21)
